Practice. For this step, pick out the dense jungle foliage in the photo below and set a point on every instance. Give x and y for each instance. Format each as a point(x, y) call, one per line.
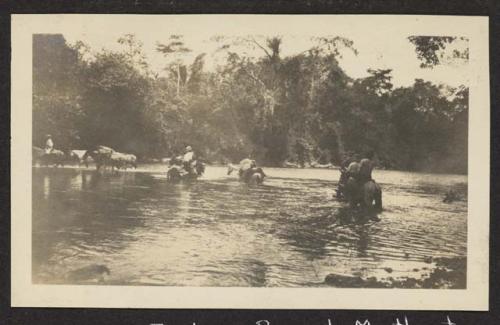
point(301, 109)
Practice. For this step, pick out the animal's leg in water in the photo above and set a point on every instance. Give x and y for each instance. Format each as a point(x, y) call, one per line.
point(338, 193)
point(367, 201)
point(378, 201)
point(255, 179)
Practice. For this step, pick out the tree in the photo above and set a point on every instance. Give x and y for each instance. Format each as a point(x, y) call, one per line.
point(435, 50)
point(257, 102)
point(420, 114)
point(56, 100)
point(175, 50)
point(114, 96)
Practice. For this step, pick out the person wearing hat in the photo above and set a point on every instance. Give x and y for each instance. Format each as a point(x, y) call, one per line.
point(366, 167)
point(188, 158)
point(49, 144)
point(249, 169)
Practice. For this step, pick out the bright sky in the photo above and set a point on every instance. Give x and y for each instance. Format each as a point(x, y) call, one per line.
point(381, 43)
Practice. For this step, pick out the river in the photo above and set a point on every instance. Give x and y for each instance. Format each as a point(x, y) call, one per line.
point(289, 232)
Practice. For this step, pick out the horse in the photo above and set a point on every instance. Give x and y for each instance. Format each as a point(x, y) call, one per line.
point(257, 174)
point(367, 195)
point(101, 156)
point(177, 173)
point(256, 178)
point(77, 155)
point(122, 160)
point(55, 157)
point(344, 177)
point(199, 167)
point(72, 157)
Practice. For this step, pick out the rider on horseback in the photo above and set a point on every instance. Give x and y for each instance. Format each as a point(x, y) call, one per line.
point(248, 168)
point(186, 165)
point(357, 186)
point(187, 159)
point(366, 168)
point(348, 168)
point(361, 172)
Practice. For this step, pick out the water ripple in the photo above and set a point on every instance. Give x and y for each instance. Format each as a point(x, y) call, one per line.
point(220, 232)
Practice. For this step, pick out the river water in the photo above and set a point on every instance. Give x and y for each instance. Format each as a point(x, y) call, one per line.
point(289, 232)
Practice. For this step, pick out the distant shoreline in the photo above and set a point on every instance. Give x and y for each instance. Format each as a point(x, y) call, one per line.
point(333, 168)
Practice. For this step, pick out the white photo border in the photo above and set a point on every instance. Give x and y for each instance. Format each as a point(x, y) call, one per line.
point(475, 297)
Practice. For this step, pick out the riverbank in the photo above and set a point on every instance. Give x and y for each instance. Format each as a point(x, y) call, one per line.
point(439, 273)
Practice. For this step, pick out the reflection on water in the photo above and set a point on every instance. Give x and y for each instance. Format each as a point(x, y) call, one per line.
point(220, 232)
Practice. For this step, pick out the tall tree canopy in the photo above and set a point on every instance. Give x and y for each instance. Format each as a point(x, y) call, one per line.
point(434, 50)
point(302, 108)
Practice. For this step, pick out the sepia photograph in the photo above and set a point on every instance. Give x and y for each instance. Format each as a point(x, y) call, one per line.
point(222, 152)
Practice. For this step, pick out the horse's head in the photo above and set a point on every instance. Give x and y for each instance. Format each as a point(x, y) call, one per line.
point(86, 155)
point(200, 168)
point(173, 174)
point(230, 168)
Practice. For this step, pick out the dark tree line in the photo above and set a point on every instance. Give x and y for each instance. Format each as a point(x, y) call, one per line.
point(301, 108)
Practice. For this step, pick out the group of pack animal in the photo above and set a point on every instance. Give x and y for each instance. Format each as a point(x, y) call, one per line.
point(102, 157)
point(357, 191)
point(54, 157)
point(105, 156)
